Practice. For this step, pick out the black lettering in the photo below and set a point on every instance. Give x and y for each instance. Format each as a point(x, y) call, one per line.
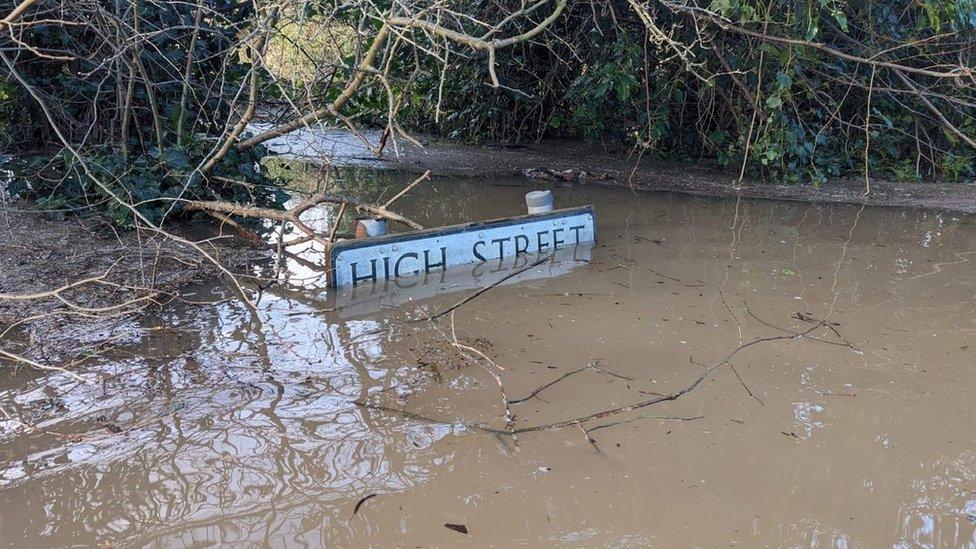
point(386, 267)
point(428, 265)
point(576, 229)
point(540, 245)
point(356, 279)
point(474, 250)
point(396, 266)
point(555, 239)
point(501, 245)
point(525, 246)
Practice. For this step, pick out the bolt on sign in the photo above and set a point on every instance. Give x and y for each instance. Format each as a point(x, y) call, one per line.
point(411, 254)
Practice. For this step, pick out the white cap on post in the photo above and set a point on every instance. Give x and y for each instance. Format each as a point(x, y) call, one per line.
point(538, 201)
point(368, 227)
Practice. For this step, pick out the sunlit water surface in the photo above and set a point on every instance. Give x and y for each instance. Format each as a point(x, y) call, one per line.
point(214, 426)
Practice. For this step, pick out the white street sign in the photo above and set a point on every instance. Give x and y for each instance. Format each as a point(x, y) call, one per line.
point(413, 254)
point(357, 301)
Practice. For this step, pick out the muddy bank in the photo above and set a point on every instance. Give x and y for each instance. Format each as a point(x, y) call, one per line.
point(126, 271)
point(581, 163)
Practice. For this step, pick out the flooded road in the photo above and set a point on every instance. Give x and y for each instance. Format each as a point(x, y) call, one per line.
point(211, 426)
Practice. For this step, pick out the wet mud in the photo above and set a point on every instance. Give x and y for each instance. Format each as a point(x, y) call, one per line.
point(843, 418)
point(45, 251)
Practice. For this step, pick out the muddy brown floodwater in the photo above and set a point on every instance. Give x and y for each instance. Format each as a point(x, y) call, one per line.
point(214, 427)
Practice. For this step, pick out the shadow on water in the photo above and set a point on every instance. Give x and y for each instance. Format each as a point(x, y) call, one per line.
point(212, 427)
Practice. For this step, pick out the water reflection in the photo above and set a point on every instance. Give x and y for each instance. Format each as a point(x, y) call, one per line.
point(210, 425)
point(941, 509)
point(351, 301)
point(222, 428)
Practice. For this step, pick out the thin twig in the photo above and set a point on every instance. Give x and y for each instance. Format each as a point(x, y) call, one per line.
point(488, 287)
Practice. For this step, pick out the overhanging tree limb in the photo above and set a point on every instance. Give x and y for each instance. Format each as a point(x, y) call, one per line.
point(724, 24)
point(351, 88)
point(16, 12)
point(366, 65)
point(257, 51)
point(934, 110)
point(472, 41)
point(107, 189)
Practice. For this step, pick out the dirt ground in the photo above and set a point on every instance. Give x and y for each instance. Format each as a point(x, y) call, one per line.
point(40, 253)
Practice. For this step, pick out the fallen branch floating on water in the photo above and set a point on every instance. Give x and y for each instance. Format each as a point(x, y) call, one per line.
point(490, 286)
point(596, 415)
point(361, 502)
point(592, 366)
